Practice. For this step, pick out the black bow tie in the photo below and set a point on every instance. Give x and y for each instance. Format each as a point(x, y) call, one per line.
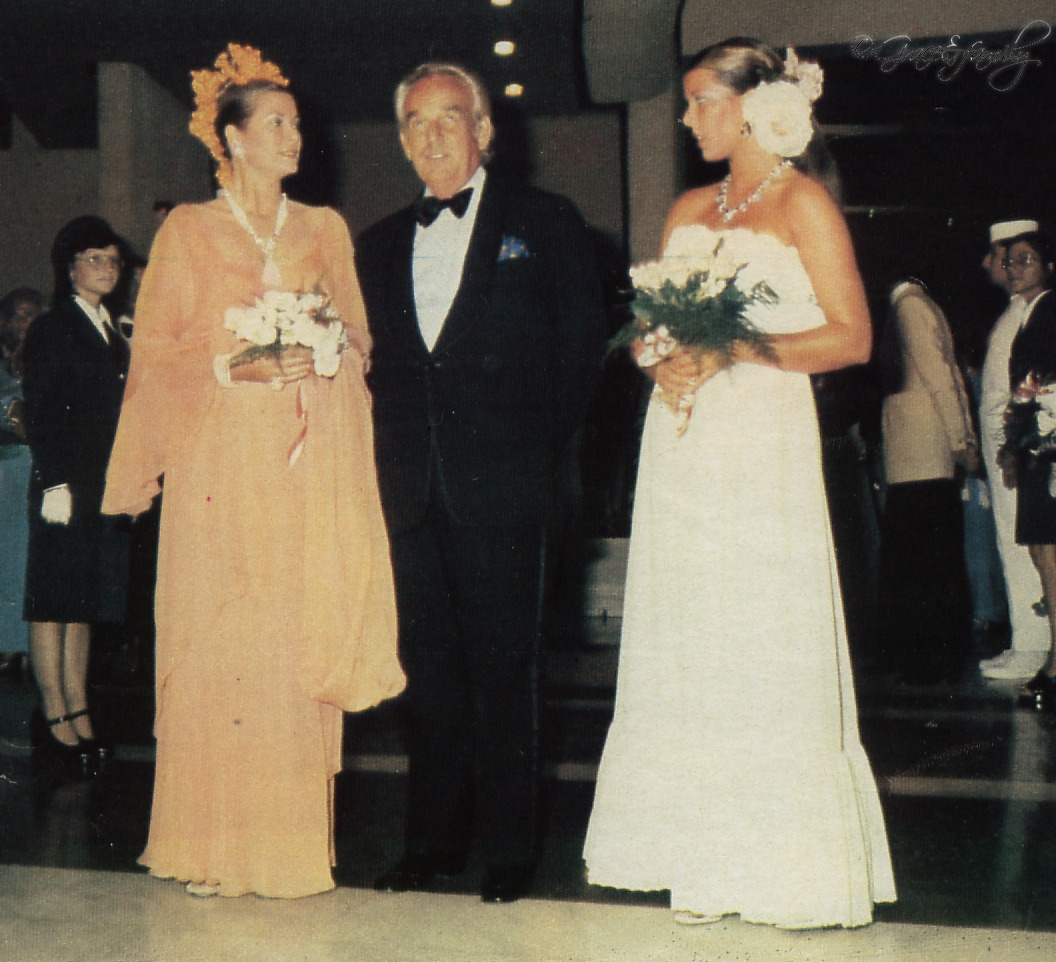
point(427, 208)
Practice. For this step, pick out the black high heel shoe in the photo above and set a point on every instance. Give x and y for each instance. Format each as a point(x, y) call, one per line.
point(1039, 692)
point(97, 750)
point(66, 762)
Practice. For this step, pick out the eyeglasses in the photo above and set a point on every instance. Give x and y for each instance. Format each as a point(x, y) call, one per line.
point(101, 260)
point(1024, 260)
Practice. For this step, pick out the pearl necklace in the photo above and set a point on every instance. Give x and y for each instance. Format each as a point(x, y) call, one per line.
point(271, 275)
point(727, 213)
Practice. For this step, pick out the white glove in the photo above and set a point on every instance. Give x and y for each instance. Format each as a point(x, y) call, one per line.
point(57, 506)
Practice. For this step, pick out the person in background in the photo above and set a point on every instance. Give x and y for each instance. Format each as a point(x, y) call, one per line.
point(991, 630)
point(18, 309)
point(928, 443)
point(274, 602)
point(1030, 468)
point(487, 316)
point(74, 366)
point(1030, 633)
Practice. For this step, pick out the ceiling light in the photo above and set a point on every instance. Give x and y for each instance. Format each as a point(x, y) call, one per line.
point(513, 90)
point(501, 3)
point(504, 48)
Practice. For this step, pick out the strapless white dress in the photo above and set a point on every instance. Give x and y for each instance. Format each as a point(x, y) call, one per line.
point(733, 773)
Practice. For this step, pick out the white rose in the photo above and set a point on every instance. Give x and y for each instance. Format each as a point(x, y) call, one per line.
point(233, 318)
point(1046, 422)
point(282, 301)
point(1046, 411)
point(806, 73)
point(656, 345)
point(249, 324)
point(326, 363)
point(648, 276)
point(779, 115)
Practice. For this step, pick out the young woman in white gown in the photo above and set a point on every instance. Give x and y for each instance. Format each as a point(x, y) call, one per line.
point(733, 774)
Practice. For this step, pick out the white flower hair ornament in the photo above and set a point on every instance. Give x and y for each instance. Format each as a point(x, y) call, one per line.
point(779, 116)
point(806, 75)
point(779, 112)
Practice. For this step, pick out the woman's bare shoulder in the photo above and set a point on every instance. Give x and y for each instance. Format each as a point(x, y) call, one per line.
point(804, 195)
point(692, 206)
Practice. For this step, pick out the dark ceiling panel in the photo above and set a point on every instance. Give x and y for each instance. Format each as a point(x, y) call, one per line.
point(346, 55)
point(56, 99)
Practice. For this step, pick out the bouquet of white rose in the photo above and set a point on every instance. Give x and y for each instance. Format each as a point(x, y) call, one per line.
point(698, 302)
point(283, 318)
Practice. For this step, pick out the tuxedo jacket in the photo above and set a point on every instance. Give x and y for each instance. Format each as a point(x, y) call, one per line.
point(493, 406)
point(928, 420)
point(73, 385)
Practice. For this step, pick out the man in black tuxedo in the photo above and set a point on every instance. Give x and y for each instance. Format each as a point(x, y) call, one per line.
point(485, 309)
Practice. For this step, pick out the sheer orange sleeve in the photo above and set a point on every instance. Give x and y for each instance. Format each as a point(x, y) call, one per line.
point(170, 379)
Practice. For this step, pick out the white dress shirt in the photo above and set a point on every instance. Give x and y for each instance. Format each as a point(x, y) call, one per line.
point(437, 262)
point(100, 318)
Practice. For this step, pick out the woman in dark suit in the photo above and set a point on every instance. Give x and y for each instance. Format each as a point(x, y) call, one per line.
point(1028, 466)
point(75, 363)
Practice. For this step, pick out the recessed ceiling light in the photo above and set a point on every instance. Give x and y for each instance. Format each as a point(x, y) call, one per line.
point(504, 48)
point(501, 3)
point(514, 90)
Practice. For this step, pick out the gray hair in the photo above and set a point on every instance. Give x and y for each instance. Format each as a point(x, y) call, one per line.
point(481, 100)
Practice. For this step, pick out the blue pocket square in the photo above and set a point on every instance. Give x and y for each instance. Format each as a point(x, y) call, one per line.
point(513, 248)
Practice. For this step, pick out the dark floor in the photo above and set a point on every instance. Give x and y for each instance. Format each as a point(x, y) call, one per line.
point(967, 779)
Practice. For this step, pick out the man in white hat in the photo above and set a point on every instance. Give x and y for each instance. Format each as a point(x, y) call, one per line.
point(1030, 633)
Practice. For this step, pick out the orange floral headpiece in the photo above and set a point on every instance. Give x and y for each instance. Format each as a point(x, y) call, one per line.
point(236, 65)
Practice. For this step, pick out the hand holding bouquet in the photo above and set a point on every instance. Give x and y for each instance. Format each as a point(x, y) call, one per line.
point(1030, 425)
point(281, 319)
point(698, 304)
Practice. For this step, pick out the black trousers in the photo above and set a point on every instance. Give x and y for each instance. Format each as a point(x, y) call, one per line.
point(924, 600)
point(469, 600)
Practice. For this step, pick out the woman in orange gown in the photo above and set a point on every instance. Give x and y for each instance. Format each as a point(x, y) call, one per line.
point(274, 602)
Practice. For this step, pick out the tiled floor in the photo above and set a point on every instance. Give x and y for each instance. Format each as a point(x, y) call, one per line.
point(967, 778)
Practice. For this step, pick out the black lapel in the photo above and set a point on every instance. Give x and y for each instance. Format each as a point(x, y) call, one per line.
point(481, 257)
point(403, 315)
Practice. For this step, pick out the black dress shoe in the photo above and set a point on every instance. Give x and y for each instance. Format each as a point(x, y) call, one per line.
point(506, 883)
point(52, 759)
point(413, 873)
point(1039, 692)
point(96, 751)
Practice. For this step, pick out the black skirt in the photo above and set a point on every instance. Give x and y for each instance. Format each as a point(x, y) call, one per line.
point(76, 572)
point(1035, 504)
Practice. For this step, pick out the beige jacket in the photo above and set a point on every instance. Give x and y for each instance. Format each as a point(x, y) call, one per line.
point(928, 422)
